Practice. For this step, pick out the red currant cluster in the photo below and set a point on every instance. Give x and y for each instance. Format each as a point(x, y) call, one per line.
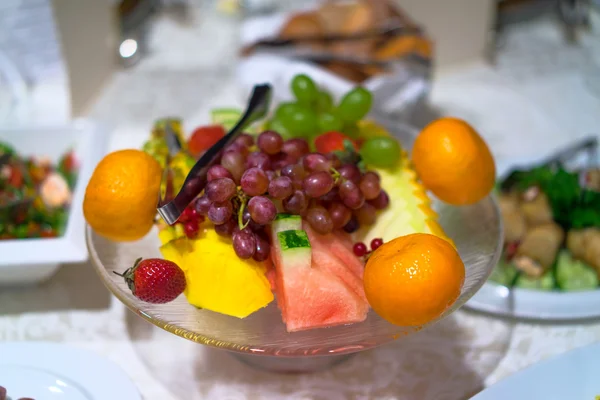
point(360, 249)
point(191, 220)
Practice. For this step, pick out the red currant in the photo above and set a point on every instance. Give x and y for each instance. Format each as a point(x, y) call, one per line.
point(189, 214)
point(375, 243)
point(360, 249)
point(191, 229)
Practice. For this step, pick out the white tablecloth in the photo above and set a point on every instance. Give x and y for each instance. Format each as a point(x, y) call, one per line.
point(538, 98)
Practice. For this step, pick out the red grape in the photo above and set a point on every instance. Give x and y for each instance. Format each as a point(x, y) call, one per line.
point(234, 163)
point(381, 201)
point(296, 173)
point(259, 160)
point(226, 229)
point(332, 196)
point(351, 195)
point(245, 140)
point(202, 205)
point(340, 215)
point(281, 187)
point(270, 142)
point(219, 213)
point(370, 185)
point(295, 147)
point(254, 182)
point(296, 203)
point(249, 222)
point(236, 148)
point(350, 172)
point(318, 184)
point(366, 215)
point(244, 243)
point(319, 219)
point(316, 162)
point(216, 172)
point(263, 249)
point(221, 189)
point(351, 226)
point(262, 210)
point(280, 160)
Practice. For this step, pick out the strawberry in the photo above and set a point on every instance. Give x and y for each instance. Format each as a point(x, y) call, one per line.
point(154, 280)
point(332, 141)
point(204, 137)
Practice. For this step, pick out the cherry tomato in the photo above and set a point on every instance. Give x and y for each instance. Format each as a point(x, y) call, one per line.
point(332, 141)
point(16, 177)
point(68, 162)
point(204, 138)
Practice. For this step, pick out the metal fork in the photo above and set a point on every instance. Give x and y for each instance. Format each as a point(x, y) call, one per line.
point(170, 210)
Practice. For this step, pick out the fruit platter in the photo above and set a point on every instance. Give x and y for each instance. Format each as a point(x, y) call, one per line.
point(551, 218)
point(319, 231)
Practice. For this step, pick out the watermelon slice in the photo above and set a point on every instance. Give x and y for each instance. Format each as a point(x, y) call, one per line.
point(310, 297)
point(324, 255)
point(341, 247)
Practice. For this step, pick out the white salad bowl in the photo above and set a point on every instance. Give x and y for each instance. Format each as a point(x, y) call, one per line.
point(28, 261)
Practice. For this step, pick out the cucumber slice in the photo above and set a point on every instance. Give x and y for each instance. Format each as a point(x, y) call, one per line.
point(223, 116)
point(228, 117)
point(294, 248)
point(286, 222)
point(574, 275)
point(545, 282)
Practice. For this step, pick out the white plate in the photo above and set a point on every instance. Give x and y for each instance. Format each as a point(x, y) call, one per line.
point(533, 304)
point(45, 371)
point(571, 376)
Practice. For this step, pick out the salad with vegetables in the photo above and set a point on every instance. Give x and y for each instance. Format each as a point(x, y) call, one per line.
point(35, 195)
point(551, 229)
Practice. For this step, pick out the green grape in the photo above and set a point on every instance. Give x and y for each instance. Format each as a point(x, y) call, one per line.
point(324, 101)
point(277, 126)
point(380, 151)
point(304, 89)
point(351, 130)
point(302, 122)
point(355, 104)
point(285, 110)
point(328, 122)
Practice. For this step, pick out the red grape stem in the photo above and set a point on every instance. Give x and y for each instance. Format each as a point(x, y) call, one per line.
point(243, 200)
point(335, 175)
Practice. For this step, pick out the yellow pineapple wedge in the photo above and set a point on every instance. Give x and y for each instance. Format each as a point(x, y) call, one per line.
point(409, 210)
point(217, 279)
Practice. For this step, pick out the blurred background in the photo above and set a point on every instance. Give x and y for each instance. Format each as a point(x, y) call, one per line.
point(86, 77)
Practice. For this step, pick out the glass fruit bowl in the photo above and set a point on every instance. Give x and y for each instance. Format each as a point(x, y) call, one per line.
point(261, 339)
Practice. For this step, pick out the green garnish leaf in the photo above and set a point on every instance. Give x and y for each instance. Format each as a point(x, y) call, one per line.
point(572, 206)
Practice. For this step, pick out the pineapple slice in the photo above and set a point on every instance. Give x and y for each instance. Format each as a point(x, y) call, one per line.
point(410, 208)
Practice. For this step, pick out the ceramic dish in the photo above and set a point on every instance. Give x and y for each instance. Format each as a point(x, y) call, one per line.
point(573, 375)
point(51, 371)
point(27, 261)
point(534, 304)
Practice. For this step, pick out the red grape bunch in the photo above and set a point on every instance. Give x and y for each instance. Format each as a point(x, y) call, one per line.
point(254, 181)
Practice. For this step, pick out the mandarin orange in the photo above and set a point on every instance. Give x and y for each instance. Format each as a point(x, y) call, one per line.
point(413, 279)
point(121, 196)
point(454, 162)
